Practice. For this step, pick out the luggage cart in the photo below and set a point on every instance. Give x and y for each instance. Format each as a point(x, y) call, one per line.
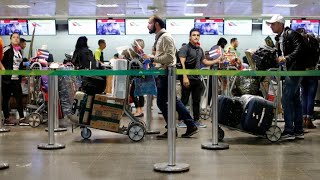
point(136, 129)
point(273, 133)
point(37, 107)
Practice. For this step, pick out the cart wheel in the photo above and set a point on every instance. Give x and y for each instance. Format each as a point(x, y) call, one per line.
point(34, 119)
point(205, 113)
point(136, 132)
point(86, 133)
point(220, 134)
point(273, 133)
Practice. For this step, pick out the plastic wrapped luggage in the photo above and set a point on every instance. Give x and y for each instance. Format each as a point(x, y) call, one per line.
point(229, 111)
point(81, 108)
point(265, 58)
point(119, 82)
point(257, 114)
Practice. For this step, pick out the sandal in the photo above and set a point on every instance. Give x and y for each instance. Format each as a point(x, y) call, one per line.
point(139, 115)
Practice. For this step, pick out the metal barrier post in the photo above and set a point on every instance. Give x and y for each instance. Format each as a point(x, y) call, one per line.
point(52, 114)
point(149, 116)
point(2, 129)
point(171, 166)
point(56, 120)
point(215, 145)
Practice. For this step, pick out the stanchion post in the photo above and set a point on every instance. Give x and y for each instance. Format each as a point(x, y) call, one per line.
point(171, 166)
point(2, 129)
point(149, 116)
point(215, 145)
point(52, 113)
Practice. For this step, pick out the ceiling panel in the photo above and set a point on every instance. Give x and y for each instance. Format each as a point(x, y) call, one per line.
point(63, 9)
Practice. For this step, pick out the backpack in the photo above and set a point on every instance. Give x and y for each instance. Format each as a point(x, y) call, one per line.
point(311, 50)
point(265, 58)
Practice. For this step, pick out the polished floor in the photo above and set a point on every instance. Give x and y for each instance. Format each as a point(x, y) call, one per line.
point(113, 156)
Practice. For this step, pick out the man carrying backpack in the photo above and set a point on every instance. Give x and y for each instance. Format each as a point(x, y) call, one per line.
point(309, 84)
point(291, 49)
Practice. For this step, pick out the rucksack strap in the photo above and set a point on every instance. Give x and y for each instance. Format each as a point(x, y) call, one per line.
point(155, 43)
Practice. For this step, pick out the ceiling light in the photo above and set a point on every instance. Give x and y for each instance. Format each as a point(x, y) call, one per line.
point(286, 5)
point(193, 14)
point(107, 5)
point(18, 6)
point(197, 5)
point(269, 15)
point(115, 14)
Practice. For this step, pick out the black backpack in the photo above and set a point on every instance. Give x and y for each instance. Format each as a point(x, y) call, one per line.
point(311, 49)
point(265, 58)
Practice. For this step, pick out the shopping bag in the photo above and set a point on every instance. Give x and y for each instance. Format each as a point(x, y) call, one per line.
point(145, 86)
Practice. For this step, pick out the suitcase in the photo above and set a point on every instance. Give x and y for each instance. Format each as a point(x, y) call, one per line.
point(229, 111)
point(257, 114)
point(81, 108)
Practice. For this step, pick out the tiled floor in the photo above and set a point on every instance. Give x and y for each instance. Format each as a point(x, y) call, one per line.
point(113, 156)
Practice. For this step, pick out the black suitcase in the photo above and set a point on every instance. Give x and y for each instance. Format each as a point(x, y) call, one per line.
point(229, 111)
point(257, 114)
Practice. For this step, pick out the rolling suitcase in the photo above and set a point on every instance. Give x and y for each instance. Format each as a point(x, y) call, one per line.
point(257, 114)
point(229, 111)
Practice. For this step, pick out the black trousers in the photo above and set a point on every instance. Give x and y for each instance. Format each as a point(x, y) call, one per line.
point(13, 87)
point(196, 89)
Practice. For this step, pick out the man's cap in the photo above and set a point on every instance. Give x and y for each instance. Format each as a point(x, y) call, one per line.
point(276, 18)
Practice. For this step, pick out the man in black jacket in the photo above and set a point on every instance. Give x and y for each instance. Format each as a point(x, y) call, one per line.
point(290, 51)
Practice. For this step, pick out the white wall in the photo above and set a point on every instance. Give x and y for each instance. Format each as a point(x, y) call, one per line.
point(64, 43)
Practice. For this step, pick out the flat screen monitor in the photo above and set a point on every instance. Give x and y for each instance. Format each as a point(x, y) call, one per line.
point(43, 27)
point(209, 26)
point(310, 25)
point(7, 27)
point(237, 27)
point(266, 30)
point(179, 26)
point(137, 26)
point(82, 26)
point(110, 26)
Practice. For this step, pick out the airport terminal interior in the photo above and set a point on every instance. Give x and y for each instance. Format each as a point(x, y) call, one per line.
point(110, 126)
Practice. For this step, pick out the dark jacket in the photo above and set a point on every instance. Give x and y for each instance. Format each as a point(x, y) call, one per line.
point(293, 48)
point(81, 59)
point(7, 62)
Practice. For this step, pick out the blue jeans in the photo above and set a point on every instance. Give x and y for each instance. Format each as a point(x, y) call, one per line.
point(162, 102)
point(309, 86)
point(292, 106)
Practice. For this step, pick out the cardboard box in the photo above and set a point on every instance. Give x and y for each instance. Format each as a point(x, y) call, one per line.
point(109, 85)
point(106, 113)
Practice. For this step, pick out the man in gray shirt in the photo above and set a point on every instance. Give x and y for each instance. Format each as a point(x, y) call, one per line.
point(165, 55)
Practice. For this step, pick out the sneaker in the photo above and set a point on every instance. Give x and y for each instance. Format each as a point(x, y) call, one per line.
point(181, 124)
point(200, 125)
point(299, 136)
point(23, 122)
point(190, 132)
point(165, 135)
point(9, 122)
point(287, 136)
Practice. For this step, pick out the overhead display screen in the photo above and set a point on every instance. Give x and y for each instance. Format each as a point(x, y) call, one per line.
point(7, 27)
point(179, 26)
point(82, 26)
point(137, 26)
point(237, 27)
point(311, 26)
point(209, 26)
point(110, 27)
point(43, 27)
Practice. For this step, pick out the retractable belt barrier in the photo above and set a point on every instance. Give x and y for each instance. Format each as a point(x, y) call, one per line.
point(157, 72)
